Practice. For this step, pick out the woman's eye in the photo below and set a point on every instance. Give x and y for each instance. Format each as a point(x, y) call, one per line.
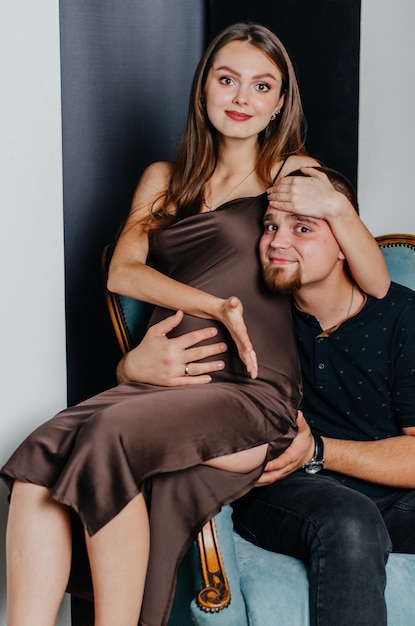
point(302, 229)
point(269, 228)
point(226, 80)
point(263, 87)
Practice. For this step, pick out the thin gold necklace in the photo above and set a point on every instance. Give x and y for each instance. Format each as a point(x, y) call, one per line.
point(215, 205)
point(350, 303)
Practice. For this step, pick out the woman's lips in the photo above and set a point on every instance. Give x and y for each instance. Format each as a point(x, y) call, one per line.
point(238, 117)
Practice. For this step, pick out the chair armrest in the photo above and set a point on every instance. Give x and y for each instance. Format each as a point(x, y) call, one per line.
point(235, 611)
point(215, 594)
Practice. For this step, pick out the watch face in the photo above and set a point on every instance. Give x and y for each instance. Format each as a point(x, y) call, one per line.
point(314, 468)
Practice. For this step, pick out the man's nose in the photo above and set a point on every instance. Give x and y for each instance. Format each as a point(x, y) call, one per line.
point(280, 239)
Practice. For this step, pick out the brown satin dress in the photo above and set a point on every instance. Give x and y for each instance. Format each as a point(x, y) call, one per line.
point(98, 455)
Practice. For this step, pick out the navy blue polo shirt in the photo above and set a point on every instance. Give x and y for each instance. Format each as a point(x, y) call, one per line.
point(359, 377)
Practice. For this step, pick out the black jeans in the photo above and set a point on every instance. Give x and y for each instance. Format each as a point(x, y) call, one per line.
point(343, 536)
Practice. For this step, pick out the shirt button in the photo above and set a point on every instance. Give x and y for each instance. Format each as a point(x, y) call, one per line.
point(321, 366)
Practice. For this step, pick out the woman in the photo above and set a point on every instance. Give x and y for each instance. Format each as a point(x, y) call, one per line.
point(142, 458)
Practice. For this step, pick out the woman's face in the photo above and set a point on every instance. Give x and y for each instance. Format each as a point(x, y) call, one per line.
point(242, 91)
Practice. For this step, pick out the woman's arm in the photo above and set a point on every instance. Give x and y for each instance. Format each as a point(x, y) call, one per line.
point(363, 255)
point(129, 275)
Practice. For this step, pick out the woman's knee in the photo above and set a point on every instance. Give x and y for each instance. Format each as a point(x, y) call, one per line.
point(29, 492)
point(33, 507)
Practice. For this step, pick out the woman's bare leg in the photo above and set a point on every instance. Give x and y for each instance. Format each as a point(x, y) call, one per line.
point(243, 461)
point(118, 555)
point(38, 556)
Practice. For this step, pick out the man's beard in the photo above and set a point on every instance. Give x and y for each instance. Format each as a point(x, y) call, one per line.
point(277, 281)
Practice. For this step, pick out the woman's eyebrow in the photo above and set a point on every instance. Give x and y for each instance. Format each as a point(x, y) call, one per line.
point(226, 68)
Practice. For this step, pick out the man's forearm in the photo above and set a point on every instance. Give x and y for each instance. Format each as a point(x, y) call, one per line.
point(388, 461)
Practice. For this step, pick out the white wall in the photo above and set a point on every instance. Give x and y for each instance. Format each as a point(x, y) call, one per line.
point(32, 361)
point(387, 116)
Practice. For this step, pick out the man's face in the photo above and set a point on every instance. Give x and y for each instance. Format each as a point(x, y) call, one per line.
point(296, 251)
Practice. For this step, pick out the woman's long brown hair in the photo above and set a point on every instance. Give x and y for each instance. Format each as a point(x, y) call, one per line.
point(197, 150)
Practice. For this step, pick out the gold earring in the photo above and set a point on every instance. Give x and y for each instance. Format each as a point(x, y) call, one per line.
point(274, 115)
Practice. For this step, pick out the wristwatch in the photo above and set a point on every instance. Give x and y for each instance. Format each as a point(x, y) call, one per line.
point(317, 462)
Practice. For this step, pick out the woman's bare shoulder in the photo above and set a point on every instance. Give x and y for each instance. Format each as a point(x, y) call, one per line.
point(295, 161)
point(157, 174)
point(153, 183)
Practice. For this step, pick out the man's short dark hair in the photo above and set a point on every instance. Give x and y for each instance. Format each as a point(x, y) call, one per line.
point(339, 182)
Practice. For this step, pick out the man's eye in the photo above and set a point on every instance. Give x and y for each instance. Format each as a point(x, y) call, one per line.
point(302, 229)
point(270, 228)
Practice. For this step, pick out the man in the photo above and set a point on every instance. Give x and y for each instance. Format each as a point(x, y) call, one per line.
point(342, 496)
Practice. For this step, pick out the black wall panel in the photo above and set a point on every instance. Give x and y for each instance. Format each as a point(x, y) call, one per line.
point(126, 73)
point(323, 39)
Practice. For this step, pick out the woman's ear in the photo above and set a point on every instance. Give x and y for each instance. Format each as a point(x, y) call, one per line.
point(280, 103)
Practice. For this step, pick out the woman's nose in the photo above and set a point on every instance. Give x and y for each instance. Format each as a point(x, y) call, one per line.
point(241, 97)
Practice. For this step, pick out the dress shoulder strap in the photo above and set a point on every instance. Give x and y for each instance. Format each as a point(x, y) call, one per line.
point(280, 169)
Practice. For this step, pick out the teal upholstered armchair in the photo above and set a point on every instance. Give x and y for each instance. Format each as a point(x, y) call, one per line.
point(264, 588)
point(399, 253)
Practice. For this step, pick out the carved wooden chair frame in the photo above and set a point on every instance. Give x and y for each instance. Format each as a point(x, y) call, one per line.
point(398, 239)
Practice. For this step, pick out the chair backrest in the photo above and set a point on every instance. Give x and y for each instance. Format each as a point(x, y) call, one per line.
point(399, 253)
point(129, 317)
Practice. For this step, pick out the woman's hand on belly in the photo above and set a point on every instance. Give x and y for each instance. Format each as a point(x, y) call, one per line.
point(231, 315)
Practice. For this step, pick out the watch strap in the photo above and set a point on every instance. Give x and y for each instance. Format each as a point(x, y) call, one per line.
point(317, 462)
